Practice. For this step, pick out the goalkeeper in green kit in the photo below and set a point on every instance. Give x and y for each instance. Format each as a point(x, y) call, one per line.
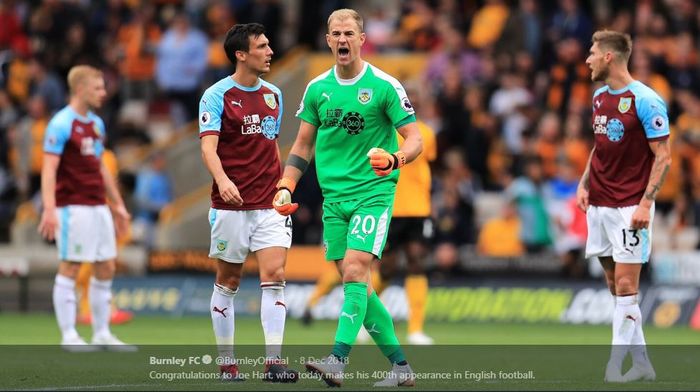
point(350, 113)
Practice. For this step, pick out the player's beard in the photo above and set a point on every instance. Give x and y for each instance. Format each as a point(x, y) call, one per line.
point(601, 76)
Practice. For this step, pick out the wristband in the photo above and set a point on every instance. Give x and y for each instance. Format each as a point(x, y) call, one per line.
point(399, 159)
point(287, 183)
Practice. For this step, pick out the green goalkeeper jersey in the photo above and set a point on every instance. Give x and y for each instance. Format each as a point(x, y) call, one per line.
point(352, 116)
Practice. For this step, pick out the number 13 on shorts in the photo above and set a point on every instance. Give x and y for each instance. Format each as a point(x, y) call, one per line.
point(635, 245)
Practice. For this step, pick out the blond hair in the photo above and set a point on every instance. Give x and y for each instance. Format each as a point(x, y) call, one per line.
point(79, 74)
point(345, 13)
point(617, 42)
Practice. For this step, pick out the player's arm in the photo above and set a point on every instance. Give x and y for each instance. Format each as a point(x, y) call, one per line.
point(122, 216)
point(413, 141)
point(584, 185)
point(227, 189)
point(659, 170)
point(298, 161)
point(49, 223)
point(383, 162)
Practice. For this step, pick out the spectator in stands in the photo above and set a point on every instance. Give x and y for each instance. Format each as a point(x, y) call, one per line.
point(27, 152)
point(379, 27)
point(415, 30)
point(570, 21)
point(568, 221)
point(46, 83)
point(642, 71)
point(18, 77)
point(452, 53)
point(137, 42)
point(508, 103)
point(574, 147)
point(181, 64)
point(487, 24)
point(453, 202)
point(526, 192)
point(153, 191)
point(569, 82)
point(547, 143)
point(219, 19)
point(523, 31)
point(500, 236)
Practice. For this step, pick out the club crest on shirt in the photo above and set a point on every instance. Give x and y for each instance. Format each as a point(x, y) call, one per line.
point(270, 101)
point(624, 105)
point(364, 95)
point(96, 129)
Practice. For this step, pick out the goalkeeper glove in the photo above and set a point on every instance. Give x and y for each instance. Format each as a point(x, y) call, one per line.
point(384, 163)
point(283, 198)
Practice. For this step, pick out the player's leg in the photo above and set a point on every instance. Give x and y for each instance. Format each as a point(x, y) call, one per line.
point(64, 298)
point(598, 244)
point(416, 286)
point(270, 240)
point(64, 303)
point(388, 267)
point(355, 275)
point(82, 286)
point(221, 306)
point(382, 273)
point(416, 283)
point(372, 219)
point(229, 245)
point(631, 248)
point(355, 271)
point(100, 292)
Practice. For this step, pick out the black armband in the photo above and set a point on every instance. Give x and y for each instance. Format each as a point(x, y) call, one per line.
point(298, 162)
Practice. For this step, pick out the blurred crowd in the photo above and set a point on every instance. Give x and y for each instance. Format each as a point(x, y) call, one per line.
point(505, 89)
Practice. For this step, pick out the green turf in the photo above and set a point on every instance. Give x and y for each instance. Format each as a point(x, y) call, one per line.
point(561, 357)
point(41, 328)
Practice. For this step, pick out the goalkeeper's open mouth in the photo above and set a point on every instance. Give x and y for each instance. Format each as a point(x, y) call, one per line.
point(343, 53)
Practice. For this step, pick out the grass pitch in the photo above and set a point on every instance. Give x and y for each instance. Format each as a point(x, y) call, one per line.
point(482, 356)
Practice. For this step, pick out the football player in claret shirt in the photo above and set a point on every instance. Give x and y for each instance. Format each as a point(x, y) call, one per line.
point(351, 113)
point(239, 121)
point(627, 167)
point(74, 184)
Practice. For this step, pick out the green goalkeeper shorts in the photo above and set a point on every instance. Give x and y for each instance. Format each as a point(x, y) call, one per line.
point(360, 224)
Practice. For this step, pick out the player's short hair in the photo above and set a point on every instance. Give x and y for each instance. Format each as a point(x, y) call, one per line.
point(238, 38)
point(346, 13)
point(79, 74)
point(619, 43)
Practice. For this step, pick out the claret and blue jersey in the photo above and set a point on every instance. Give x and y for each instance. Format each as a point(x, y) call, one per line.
point(624, 122)
point(247, 121)
point(79, 140)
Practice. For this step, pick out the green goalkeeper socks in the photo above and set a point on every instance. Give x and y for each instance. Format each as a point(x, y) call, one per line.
point(351, 316)
point(380, 326)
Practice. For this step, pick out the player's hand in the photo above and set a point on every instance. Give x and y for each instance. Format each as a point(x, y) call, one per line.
point(122, 218)
point(384, 163)
point(282, 202)
point(582, 198)
point(640, 218)
point(229, 192)
point(48, 224)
